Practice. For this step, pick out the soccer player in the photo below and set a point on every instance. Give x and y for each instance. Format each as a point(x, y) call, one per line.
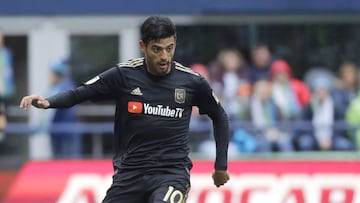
point(154, 96)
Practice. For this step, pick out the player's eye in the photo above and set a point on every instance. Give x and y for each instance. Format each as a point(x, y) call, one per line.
point(156, 49)
point(169, 49)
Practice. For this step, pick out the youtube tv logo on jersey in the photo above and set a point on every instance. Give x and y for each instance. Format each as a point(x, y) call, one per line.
point(135, 107)
point(154, 110)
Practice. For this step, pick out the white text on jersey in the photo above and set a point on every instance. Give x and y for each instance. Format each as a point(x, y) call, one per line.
point(160, 110)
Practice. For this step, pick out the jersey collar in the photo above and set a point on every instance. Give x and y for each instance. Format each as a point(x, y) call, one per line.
point(157, 77)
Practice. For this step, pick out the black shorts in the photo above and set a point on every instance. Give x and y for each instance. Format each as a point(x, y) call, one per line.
point(149, 187)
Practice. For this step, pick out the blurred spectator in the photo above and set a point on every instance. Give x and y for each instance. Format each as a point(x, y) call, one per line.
point(7, 85)
point(230, 81)
point(265, 116)
point(244, 140)
point(3, 120)
point(321, 113)
point(64, 144)
point(205, 142)
point(4, 147)
point(203, 71)
point(289, 94)
point(352, 117)
point(261, 60)
point(314, 73)
point(197, 121)
point(346, 88)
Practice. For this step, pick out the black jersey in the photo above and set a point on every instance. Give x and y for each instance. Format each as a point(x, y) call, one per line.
point(153, 113)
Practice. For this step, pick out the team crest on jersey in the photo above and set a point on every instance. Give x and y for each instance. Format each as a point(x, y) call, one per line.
point(180, 95)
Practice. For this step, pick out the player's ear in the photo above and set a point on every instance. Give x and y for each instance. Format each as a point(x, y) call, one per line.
point(142, 46)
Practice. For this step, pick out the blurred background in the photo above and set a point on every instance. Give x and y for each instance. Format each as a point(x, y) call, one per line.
point(285, 71)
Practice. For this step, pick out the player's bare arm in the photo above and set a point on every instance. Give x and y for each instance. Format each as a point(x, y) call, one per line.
point(220, 177)
point(35, 100)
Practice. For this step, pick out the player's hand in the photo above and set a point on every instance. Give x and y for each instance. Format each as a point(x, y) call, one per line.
point(220, 177)
point(35, 100)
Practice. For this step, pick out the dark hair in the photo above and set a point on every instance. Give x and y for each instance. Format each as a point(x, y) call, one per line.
point(156, 28)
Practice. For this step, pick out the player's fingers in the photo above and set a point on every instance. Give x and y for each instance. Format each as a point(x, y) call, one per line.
point(29, 100)
point(25, 102)
point(220, 184)
point(37, 103)
point(41, 103)
point(22, 103)
point(222, 181)
point(219, 181)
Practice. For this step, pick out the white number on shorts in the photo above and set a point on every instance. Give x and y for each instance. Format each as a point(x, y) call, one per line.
point(172, 195)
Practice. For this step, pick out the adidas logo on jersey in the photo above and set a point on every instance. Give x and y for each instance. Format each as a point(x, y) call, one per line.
point(136, 91)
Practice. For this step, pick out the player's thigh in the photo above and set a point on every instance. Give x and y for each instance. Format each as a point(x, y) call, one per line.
point(118, 194)
point(127, 187)
point(171, 191)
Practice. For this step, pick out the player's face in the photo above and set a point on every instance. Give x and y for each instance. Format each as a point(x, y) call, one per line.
point(159, 55)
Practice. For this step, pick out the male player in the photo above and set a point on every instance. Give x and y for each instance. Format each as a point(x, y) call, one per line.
point(154, 96)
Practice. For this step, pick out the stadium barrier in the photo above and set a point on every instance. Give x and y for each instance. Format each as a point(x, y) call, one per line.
point(97, 129)
point(203, 126)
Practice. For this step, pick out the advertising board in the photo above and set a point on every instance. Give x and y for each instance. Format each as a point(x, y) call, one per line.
point(251, 182)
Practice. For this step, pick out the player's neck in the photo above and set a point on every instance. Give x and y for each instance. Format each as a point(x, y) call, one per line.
point(151, 71)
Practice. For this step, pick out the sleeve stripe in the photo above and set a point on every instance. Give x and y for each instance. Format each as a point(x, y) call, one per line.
point(180, 67)
point(133, 63)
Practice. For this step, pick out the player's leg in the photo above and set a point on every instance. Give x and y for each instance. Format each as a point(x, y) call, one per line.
point(170, 194)
point(127, 187)
point(171, 188)
point(117, 194)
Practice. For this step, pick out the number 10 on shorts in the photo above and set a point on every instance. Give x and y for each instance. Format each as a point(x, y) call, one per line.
point(173, 196)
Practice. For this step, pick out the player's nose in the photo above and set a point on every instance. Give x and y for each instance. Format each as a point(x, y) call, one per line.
point(164, 54)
